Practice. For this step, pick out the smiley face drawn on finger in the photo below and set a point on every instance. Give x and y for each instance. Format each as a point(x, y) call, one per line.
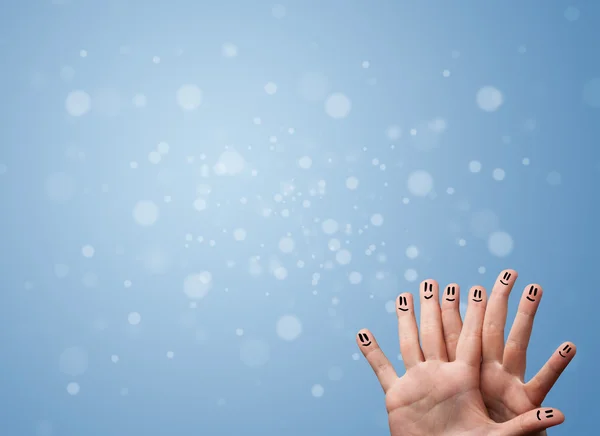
point(402, 303)
point(477, 295)
point(548, 413)
point(532, 293)
point(450, 293)
point(365, 341)
point(505, 278)
point(566, 350)
point(426, 290)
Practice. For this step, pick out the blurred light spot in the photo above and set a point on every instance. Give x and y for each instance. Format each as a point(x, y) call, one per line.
point(410, 275)
point(338, 106)
point(134, 318)
point(87, 251)
point(305, 162)
point(500, 244)
point(196, 286)
point(420, 183)
point(229, 50)
point(489, 99)
point(317, 391)
point(475, 166)
point(78, 103)
point(355, 277)
point(145, 213)
point(286, 245)
point(189, 97)
point(412, 252)
point(73, 388)
point(270, 88)
point(288, 327)
point(498, 174)
point(377, 220)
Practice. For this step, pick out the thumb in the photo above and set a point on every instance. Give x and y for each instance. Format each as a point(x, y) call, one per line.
point(533, 421)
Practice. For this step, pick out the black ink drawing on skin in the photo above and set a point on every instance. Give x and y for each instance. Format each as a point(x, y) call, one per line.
point(532, 293)
point(430, 290)
point(450, 290)
point(477, 295)
point(506, 277)
point(364, 339)
point(549, 414)
point(567, 349)
point(402, 301)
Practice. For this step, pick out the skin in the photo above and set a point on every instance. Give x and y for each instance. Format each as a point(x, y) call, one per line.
point(440, 392)
point(504, 391)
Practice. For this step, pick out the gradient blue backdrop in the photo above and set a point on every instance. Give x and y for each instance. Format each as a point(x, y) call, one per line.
point(105, 341)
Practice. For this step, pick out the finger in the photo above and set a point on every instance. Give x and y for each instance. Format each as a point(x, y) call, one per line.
point(381, 365)
point(468, 348)
point(539, 386)
point(408, 331)
point(495, 316)
point(432, 336)
point(451, 321)
point(515, 350)
point(533, 421)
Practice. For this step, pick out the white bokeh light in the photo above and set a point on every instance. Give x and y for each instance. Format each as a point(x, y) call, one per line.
point(330, 226)
point(338, 106)
point(134, 318)
point(229, 50)
point(286, 244)
point(88, 251)
point(352, 183)
point(489, 99)
point(412, 252)
point(288, 327)
point(420, 183)
point(317, 391)
point(377, 219)
point(73, 388)
point(305, 162)
point(189, 97)
point(355, 277)
point(196, 286)
point(78, 103)
point(474, 166)
point(145, 213)
point(270, 88)
point(500, 244)
point(410, 275)
point(230, 163)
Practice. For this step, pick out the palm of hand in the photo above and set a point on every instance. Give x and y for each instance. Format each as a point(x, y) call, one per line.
point(436, 397)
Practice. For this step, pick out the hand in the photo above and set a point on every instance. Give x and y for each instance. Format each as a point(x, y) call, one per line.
point(437, 396)
point(504, 391)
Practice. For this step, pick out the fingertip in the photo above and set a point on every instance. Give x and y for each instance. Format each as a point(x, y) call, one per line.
point(477, 295)
point(451, 294)
point(567, 350)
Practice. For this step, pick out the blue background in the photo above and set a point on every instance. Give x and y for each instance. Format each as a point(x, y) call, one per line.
point(66, 181)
